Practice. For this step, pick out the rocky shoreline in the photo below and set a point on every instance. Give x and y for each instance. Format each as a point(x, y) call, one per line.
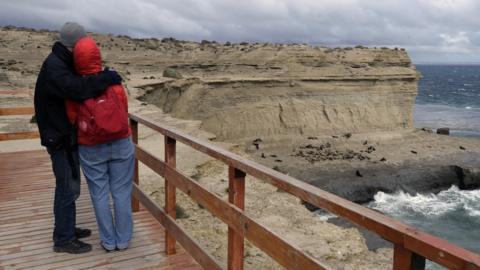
point(357, 169)
point(360, 185)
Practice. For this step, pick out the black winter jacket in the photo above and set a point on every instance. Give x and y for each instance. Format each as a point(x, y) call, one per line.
point(57, 82)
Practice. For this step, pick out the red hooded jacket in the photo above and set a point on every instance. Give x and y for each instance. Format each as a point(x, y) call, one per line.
point(87, 61)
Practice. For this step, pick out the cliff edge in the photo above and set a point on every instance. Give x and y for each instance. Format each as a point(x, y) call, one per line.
point(245, 90)
point(252, 90)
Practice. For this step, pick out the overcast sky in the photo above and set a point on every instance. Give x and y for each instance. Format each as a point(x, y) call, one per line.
point(439, 31)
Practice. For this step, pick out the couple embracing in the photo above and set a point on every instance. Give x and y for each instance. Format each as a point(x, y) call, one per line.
point(82, 116)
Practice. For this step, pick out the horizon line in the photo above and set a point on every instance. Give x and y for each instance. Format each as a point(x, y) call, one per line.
point(446, 63)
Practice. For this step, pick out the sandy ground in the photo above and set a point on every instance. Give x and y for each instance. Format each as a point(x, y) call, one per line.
point(280, 212)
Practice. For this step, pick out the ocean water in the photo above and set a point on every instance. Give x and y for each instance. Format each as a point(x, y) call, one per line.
point(448, 96)
point(452, 214)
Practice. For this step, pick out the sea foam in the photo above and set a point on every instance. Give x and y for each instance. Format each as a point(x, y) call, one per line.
point(451, 200)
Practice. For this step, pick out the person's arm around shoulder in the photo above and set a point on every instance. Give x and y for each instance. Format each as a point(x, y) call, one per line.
point(71, 86)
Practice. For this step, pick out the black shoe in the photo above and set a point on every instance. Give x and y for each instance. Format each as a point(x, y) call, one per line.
point(106, 249)
point(82, 233)
point(73, 247)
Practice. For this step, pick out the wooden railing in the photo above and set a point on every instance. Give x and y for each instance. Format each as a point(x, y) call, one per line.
point(411, 246)
point(18, 135)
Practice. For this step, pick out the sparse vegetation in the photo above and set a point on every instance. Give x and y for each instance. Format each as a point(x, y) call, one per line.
point(181, 213)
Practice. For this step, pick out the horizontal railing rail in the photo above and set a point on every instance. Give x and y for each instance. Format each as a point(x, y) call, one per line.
point(22, 135)
point(411, 245)
point(286, 254)
point(17, 111)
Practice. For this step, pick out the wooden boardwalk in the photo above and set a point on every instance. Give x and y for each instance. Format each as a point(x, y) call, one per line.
point(26, 222)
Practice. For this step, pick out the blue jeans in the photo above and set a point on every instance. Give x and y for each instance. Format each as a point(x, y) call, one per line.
point(109, 169)
point(67, 190)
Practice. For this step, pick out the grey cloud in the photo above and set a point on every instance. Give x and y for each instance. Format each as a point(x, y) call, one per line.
point(432, 30)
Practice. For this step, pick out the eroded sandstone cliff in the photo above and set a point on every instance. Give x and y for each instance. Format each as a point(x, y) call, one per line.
point(289, 90)
point(246, 90)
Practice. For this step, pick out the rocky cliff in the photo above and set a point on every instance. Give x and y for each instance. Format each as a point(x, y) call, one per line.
point(245, 90)
point(252, 90)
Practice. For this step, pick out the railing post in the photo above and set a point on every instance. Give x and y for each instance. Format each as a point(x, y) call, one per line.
point(134, 127)
point(404, 259)
point(170, 159)
point(236, 196)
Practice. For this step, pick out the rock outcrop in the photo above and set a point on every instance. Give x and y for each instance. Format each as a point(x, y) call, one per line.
point(291, 90)
point(246, 90)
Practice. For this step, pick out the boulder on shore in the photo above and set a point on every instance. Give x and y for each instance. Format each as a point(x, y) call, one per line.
point(443, 131)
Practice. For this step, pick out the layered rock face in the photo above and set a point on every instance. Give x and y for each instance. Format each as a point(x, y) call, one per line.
point(245, 90)
point(291, 90)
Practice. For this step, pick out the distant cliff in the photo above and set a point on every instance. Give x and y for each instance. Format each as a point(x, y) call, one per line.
point(251, 90)
point(245, 90)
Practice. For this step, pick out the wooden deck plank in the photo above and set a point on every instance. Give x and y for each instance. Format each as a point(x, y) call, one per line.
point(26, 223)
point(25, 242)
point(23, 250)
point(48, 258)
point(42, 224)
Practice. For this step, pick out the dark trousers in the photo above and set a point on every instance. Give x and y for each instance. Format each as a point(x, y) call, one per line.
point(67, 175)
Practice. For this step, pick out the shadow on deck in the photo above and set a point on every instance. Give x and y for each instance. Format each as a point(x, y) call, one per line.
point(26, 222)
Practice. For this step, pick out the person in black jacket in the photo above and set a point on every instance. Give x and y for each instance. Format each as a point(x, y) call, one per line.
point(57, 82)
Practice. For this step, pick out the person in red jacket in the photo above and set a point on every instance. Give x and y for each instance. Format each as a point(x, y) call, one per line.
point(106, 156)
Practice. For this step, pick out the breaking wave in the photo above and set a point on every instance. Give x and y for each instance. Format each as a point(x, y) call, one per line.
point(452, 214)
point(451, 200)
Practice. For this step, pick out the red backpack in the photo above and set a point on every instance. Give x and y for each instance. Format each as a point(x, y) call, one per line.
point(104, 118)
